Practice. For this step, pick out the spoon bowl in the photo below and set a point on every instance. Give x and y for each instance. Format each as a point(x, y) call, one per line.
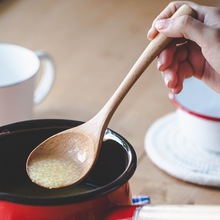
point(67, 157)
point(61, 157)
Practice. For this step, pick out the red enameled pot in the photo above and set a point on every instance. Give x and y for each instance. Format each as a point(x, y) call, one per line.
point(105, 187)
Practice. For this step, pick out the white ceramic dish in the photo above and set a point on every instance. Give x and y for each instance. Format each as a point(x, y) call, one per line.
point(172, 152)
point(198, 110)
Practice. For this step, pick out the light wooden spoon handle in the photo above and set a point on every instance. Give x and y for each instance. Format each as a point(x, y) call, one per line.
point(149, 54)
point(179, 212)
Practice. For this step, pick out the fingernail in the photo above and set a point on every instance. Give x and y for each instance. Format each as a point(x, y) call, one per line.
point(167, 79)
point(161, 24)
point(173, 91)
point(159, 64)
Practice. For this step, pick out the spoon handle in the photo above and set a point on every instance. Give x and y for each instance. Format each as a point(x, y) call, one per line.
point(149, 54)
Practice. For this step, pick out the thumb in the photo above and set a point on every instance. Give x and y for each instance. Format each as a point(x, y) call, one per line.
point(187, 27)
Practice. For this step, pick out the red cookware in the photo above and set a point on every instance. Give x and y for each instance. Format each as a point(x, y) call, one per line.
point(106, 186)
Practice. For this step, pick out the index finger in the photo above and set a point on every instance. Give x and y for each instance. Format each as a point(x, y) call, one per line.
point(167, 13)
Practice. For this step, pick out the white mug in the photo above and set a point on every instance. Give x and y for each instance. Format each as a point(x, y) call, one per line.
point(18, 92)
point(198, 111)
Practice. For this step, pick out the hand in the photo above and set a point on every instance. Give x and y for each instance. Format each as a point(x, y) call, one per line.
point(196, 48)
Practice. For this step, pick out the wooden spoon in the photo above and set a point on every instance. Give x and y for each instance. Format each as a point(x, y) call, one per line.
point(67, 157)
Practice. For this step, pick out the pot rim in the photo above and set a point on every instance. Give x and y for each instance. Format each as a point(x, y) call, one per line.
point(81, 197)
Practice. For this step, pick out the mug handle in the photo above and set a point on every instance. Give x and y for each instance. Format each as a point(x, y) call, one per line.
point(47, 78)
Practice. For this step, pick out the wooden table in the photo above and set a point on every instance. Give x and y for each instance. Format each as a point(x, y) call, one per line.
point(94, 43)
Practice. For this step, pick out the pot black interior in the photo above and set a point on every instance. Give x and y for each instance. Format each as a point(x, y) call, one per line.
point(114, 167)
